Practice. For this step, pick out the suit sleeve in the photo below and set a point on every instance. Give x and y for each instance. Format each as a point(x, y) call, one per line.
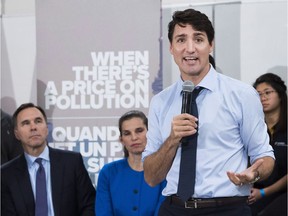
point(7, 206)
point(85, 190)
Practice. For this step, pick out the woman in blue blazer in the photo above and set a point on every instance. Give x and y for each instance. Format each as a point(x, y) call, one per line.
point(121, 188)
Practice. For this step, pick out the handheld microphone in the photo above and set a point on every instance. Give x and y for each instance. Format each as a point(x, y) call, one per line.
point(187, 89)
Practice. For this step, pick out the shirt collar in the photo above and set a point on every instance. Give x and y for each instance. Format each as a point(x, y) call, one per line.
point(208, 82)
point(30, 159)
point(179, 86)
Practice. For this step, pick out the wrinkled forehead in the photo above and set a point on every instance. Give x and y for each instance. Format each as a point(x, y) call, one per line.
point(30, 113)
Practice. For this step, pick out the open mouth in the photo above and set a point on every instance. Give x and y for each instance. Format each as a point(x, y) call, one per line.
point(190, 59)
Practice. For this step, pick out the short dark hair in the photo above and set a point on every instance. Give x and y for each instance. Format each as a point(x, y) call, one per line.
point(127, 116)
point(199, 21)
point(25, 106)
point(279, 85)
point(212, 61)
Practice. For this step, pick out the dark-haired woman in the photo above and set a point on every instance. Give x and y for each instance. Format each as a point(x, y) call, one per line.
point(121, 188)
point(269, 197)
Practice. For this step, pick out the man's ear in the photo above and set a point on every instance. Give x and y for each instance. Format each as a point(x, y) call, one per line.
point(16, 134)
point(212, 46)
point(171, 49)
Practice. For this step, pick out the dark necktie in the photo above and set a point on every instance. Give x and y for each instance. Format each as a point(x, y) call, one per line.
point(188, 157)
point(41, 206)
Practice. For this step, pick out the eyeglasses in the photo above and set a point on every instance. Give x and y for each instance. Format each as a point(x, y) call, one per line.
point(267, 94)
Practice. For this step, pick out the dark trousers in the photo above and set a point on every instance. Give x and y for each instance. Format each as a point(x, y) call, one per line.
point(278, 207)
point(169, 209)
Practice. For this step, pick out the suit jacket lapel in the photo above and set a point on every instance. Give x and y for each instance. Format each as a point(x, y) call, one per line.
point(57, 171)
point(25, 192)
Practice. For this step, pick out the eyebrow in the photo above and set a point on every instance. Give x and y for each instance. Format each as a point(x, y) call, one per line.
point(24, 121)
point(135, 129)
point(266, 89)
point(180, 35)
point(195, 35)
point(199, 34)
point(27, 120)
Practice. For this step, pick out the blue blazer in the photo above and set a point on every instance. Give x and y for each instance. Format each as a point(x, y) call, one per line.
point(72, 191)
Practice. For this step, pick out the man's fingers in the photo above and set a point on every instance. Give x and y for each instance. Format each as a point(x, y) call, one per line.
point(233, 178)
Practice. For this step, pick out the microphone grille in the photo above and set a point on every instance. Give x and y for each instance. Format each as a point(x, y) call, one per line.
point(188, 86)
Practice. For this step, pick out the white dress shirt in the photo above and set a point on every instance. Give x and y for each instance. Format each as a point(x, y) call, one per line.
point(33, 167)
point(231, 128)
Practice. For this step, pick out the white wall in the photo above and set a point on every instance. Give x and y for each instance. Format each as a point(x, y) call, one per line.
point(264, 39)
point(18, 61)
point(251, 39)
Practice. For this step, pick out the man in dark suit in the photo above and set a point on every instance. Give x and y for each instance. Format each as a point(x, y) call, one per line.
point(68, 186)
point(10, 146)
